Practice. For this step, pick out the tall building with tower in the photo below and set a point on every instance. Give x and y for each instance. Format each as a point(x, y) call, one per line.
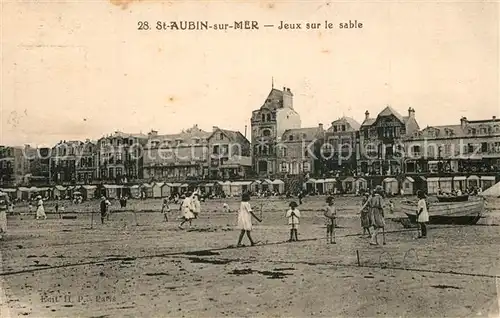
point(268, 123)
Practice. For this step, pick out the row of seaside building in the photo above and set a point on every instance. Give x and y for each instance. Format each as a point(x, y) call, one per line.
point(388, 144)
point(347, 185)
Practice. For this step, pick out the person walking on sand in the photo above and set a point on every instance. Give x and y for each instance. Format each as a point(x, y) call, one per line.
point(186, 209)
point(196, 204)
point(422, 214)
point(245, 215)
point(293, 215)
point(40, 211)
point(376, 204)
point(330, 214)
point(104, 205)
point(165, 209)
point(365, 214)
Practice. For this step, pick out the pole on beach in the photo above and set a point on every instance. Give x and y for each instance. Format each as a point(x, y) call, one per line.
point(383, 235)
point(357, 255)
point(92, 219)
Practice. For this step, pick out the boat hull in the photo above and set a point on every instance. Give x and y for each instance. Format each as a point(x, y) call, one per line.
point(461, 213)
point(458, 198)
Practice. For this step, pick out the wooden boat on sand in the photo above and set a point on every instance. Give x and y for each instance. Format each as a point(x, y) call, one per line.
point(463, 213)
point(453, 198)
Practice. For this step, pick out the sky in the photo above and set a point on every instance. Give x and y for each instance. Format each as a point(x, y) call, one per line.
point(73, 70)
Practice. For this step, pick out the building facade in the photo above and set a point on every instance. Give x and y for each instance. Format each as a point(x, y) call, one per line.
point(120, 157)
point(39, 164)
point(268, 124)
point(86, 164)
point(298, 151)
point(13, 165)
point(229, 153)
point(63, 161)
point(381, 150)
point(177, 156)
point(465, 148)
point(340, 150)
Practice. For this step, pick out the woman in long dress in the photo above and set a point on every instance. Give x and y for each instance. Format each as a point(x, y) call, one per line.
point(196, 204)
point(40, 211)
point(376, 204)
point(187, 208)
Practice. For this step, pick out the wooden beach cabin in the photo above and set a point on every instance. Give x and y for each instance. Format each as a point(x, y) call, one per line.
point(59, 191)
point(310, 185)
point(266, 185)
point(473, 181)
point(360, 185)
point(460, 183)
point(88, 191)
point(408, 186)
point(157, 186)
point(348, 185)
point(255, 186)
point(487, 182)
point(391, 186)
point(446, 184)
point(111, 191)
point(432, 185)
point(278, 186)
point(226, 187)
point(147, 190)
point(330, 185)
point(11, 193)
point(320, 186)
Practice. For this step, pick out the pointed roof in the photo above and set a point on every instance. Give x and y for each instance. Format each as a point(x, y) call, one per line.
point(388, 111)
point(349, 120)
point(234, 135)
point(301, 134)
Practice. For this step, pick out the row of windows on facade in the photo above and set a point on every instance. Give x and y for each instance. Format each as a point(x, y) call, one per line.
point(268, 117)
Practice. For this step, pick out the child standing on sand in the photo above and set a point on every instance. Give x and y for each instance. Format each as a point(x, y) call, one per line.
point(245, 215)
point(165, 209)
point(293, 215)
point(330, 214)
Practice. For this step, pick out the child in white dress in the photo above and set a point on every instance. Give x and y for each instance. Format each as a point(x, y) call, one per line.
point(293, 215)
point(245, 215)
point(187, 208)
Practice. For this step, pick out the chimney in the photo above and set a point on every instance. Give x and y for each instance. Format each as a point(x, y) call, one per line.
point(245, 131)
point(284, 89)
point(411, 112)
point(494, 117)
point(320, 126)
point(214, 128)
point(463, 122)
point(367, 115)
point(288, 90)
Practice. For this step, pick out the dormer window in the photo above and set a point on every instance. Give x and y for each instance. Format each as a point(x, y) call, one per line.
point(221, 136)
point(290, 138)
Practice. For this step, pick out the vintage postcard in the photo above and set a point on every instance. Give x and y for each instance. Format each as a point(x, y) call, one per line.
point(249, 158)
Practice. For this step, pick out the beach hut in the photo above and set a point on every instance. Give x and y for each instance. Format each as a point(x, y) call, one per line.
point(348, 185)
point(111, 191)
point(408, 186)
point(330, 185)
point(266, 185)
point(446, 184)
point(88, 191)
point(432, 185)
point(166, 190)
point(320, 186)
point(147, 190)
point(209, 187)
point(183, 188)
point(420, 184)
point(360, 185)
point(391, 186)
point(23, 193)
point(59, 191)
point(226, 187)
point(11, 192)
point(310, 185)
point(157, 189)
point(135, 191)
point(460, 183)
point(278, 186)
point(239, 187)
point(487, 181)
point(255, 186)
point(473, 182)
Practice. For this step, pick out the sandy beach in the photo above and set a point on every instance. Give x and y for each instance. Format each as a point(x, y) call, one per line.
point(138, 265)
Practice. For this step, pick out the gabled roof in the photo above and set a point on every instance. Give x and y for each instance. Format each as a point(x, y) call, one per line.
point(301, 134)
point(234, 136)
point(368, 122)
point(274, 100)
point(388, 111)
point(350, 121)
